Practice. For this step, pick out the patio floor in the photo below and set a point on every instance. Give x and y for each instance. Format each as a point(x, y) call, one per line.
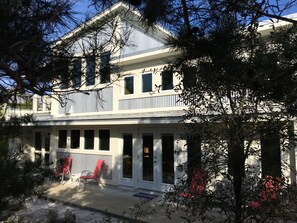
point(119, 202)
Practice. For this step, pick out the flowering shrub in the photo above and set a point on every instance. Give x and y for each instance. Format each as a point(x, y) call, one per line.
point(271, 191)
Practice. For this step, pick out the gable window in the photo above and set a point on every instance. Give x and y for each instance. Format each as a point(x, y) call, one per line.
point(76, 73)
point(62, 139)
point(104, 138)
point(74, 139)
point(147, 82)
point(129, 85)
point(90, 70)
point(105, 68)
point(167, 80)
point(89, 139)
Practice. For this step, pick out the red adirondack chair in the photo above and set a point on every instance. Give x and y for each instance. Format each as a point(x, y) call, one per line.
point(64, 168)
point(87, 175)
point(197, 186)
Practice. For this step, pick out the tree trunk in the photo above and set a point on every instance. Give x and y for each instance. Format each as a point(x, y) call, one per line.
point(236, 165)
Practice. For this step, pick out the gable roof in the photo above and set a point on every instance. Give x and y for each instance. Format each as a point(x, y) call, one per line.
point(126, 13)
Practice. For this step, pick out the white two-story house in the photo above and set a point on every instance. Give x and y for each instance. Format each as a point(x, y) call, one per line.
point(130, 116)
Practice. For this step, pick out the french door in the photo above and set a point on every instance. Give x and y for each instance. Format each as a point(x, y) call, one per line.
point(148, 160)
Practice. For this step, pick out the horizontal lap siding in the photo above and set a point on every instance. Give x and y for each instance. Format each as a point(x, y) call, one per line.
point(82, 162)
point(92, 102)
point(150, 102)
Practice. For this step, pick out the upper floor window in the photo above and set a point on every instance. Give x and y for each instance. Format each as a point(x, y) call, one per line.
point(104, 138)
point(61, 67)
point(147, 82)
point(167, 80)
point(189, 76)
point(105, 68)
point(76, 73)
point(39, 104)
point(129, 85)
point(90, 70)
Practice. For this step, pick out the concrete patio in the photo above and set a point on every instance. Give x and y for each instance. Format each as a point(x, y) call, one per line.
point(117, 202)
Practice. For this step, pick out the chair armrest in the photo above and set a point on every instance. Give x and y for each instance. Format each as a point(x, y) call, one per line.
point(86, 173)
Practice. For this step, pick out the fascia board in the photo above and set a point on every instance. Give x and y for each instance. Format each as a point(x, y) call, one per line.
point(152, 55)
point(266, 26)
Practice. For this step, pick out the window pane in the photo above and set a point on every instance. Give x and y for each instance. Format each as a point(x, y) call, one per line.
point(75, 136)
point(194, 152)
point(189, 74)
point(47, 138)
point(90, 70)
point(270, 153)
point(39, 104)
point(62, 138)
point(89, 139)
point(147, 157)
point(38, 140)
point(61, 67)
point(76, 72)
point(104, 136)
point(168, 158)
point(129, 85)
point(127, 155)
point(147, 82)
point(167, 80)
point(105, 67)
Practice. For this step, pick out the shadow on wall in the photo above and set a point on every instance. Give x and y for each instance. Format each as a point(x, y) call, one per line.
point(82, 162)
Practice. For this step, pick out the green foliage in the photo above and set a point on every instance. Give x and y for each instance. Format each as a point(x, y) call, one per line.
point(20, 177)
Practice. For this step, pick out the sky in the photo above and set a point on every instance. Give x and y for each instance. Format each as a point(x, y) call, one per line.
point(82, 8)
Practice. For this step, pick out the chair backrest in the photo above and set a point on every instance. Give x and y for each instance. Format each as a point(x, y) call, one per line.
point(67, 165)
point(64, 166)
point(98, 168)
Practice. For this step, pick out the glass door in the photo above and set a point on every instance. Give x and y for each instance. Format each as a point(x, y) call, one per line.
point(148, 162)
point(127, 160)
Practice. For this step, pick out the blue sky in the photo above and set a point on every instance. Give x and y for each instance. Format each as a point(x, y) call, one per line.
point(82, 8)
